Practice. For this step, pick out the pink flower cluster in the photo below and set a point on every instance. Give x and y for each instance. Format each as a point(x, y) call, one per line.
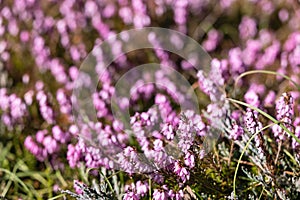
point(12, 109)
point(43, 43)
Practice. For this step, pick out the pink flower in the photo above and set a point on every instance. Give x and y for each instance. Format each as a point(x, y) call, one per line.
point(159, 195)
point(181, 172)
point(247, 28)
point(285, 113)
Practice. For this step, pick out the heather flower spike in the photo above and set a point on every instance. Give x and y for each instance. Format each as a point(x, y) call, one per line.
point(285, 115)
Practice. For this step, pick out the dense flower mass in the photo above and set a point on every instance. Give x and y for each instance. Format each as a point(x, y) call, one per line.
point(181, 129)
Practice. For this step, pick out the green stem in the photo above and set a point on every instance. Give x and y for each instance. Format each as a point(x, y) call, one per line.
point(61, 179)
point(265, 72)
point(107, 181)
point(262, 191)
point(58, 196)
point(150, 189)
point(290, 156)
point(242, 154)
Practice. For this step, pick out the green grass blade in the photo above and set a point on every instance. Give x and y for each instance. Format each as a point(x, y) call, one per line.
point(242, 154)
point(266, 72)
point(16, 178)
